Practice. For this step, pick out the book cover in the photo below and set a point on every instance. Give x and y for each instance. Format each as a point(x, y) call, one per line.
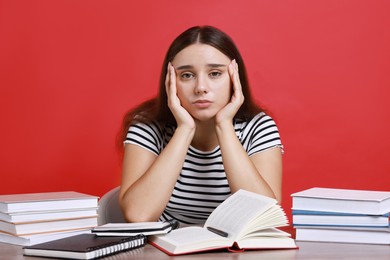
point(30, 240)
point(46, 201)
point(321, 218)
point(342, 200)
point(29, 228)
point(47, 215)
point(344, 235)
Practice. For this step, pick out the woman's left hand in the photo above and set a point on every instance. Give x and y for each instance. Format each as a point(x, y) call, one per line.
point(227, 113)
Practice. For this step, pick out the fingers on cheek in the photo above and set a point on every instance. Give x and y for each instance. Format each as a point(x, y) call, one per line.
point(173, 76)
point(236, 80)
point(166, 82)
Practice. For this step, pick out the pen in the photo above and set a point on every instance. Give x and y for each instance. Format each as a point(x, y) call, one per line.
point(218, 232)
point(172, 223)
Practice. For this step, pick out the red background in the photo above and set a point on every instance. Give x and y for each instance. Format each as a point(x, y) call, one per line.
point(70, 69)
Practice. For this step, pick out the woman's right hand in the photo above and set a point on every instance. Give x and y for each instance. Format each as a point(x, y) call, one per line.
point(182, 117)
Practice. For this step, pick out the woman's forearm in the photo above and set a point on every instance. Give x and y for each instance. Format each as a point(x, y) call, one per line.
point(145, 199)
point(241, 171)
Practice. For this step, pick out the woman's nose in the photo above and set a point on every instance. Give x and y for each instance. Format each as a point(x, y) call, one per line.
point(201, 85)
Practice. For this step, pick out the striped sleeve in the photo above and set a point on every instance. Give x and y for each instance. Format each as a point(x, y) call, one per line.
point(148, 136)
point(262, 134)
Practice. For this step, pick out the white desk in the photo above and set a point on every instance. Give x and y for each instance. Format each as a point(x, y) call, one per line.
point(307, 250)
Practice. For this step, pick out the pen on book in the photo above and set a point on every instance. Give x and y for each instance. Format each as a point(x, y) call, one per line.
point(172, 224)
point(218, 232)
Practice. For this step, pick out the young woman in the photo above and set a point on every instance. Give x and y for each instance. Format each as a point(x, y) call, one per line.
point(201, 139)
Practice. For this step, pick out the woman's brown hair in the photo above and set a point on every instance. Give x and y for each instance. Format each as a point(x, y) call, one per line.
point(157, 109)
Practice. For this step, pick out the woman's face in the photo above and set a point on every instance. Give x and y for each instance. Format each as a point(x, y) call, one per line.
point(202, 80)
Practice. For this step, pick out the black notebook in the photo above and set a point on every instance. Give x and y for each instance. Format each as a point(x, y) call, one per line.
point(85, 246)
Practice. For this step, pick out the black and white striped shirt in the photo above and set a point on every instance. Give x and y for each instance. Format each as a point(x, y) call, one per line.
point(202, 184)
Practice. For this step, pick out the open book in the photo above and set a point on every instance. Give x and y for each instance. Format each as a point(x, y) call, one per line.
point(243, 221)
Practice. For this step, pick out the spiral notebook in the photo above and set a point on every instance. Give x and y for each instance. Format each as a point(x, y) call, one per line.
point(132, 229)
point(85, 246)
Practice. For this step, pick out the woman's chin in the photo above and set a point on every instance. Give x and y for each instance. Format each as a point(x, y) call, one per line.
point(203, 117)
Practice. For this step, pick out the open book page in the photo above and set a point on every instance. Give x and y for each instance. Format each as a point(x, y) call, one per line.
point(272, 217)
point(237, 211)
point(264, 242)
point(268, 232)
point(190, 239)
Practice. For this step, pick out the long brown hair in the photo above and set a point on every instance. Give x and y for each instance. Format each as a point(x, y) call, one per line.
point(157, 109)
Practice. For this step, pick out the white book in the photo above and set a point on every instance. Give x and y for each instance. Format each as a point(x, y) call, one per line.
point(30, 228)
point(321, 218)
point(30, 240)
point(342, 200)
point(47, 215)
point(347, 235)
point(46, 201)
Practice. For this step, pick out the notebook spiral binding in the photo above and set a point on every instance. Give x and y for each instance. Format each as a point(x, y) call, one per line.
point(126, 244)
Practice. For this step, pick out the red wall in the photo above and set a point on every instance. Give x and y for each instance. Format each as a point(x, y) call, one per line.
point(70, 69)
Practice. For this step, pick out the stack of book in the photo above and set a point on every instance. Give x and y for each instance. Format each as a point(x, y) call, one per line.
point(28, 219)
point(341, 215)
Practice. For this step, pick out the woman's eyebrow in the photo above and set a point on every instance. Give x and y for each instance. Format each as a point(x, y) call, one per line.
point(184, 67)
point(216, 65)
point(211, 65)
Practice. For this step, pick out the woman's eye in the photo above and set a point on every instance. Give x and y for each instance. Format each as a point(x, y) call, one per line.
point(215, 74)
point(187, 75)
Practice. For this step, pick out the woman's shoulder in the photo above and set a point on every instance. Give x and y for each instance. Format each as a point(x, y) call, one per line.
point(256, 119)
point(155, 126)
point(260, 123)
point(149, 135)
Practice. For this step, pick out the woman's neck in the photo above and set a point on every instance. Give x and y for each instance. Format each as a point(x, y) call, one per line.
point(205, 138)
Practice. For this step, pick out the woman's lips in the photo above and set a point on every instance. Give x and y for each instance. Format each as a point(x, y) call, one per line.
point(202, 103)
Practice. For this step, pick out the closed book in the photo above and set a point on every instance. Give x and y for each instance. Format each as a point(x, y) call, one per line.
point(29, 228)
point(46, 201)
point(85, 246)
point(344, 235)
point(31, 216)
point(342, 200)
point(321, 218)
point(30, 240)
